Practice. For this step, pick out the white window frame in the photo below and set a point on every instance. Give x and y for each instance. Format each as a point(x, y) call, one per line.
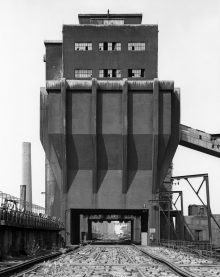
point(83, 73)
point(110, 73)
point(136, 46)
point(83, 46)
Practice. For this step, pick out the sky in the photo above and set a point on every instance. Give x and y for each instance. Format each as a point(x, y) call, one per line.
point(189, 44)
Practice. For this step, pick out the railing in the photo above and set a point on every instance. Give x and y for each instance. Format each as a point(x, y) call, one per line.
point(10, 202)
point(28, 219)
point(15, 212)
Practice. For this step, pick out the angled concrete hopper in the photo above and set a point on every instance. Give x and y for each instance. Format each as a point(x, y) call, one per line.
point(109, 145)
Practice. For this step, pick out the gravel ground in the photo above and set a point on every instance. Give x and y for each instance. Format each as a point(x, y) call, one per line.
point(202, 267)
point(105, 261)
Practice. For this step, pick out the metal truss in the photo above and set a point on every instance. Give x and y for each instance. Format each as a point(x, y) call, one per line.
point(205, 180)
point(167, 211)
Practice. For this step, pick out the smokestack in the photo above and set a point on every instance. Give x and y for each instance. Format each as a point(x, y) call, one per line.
point(26, 173)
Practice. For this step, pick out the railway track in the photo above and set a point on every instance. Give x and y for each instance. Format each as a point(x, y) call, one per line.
point(108, 261)
point(188, 262)
point(10, 268)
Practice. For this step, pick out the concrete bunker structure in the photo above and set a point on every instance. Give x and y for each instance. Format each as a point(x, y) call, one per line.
point(109, 145)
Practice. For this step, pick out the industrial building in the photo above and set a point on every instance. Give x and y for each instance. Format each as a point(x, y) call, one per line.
point(109, 127)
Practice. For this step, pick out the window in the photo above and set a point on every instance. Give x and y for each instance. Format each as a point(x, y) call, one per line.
point(102, 21)
point(83, 46)
point(83, 73)
point(110, 46)
point(109, 73)
point(136, 46)
point(136, 73)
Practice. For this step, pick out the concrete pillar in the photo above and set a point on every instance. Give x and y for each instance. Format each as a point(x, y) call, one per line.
point(26, 172)
point(137, 229)
point(50, 188)
point(83, 227)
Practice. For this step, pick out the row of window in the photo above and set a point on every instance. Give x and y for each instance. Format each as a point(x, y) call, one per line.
point(110, 46)
point(109, 73)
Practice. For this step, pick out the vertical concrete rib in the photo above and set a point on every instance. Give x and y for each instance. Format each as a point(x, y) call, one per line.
point(154, 210)
point(124, 139)
point(64, 141)
point(155, 133)
point(94, 140)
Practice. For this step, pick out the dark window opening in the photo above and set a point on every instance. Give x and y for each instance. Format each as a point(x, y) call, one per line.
point(113, 45)
point(200, 137)
point(105, 46)
point(129, 72)
point(105, 72)
point(113, 72)
point(142, 72)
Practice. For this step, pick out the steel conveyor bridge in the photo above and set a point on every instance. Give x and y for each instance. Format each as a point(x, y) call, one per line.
point(200, 141)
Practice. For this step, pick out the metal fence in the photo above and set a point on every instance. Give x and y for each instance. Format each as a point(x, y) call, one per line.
point(12, 203)
point(15, 212)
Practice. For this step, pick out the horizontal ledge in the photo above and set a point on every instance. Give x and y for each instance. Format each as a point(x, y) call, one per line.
point(108, 85)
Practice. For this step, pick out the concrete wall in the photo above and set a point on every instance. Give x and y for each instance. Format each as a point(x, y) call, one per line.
point(200, 223)
point(123, 59)
point(20, 241)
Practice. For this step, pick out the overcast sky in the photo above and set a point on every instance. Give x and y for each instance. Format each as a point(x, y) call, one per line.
point(189, 54)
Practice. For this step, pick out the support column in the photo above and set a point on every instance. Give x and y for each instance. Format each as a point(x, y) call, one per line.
point(124, 140)
point(94, 141)
point(26, 173)
point(208, 209)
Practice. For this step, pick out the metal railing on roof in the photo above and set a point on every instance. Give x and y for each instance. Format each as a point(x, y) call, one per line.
point(9, 202)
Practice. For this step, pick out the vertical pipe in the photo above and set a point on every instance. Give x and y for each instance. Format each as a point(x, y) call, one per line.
point(182, 216)
point(159, 223)
point(23, 197)
point(26, 172)
point(208, 208)
point(168, 221)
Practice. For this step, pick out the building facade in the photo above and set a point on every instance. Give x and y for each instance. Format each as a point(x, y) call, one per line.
point(109, 127)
